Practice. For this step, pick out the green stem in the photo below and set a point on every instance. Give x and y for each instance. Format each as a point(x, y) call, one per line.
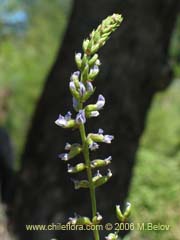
point(89, 174)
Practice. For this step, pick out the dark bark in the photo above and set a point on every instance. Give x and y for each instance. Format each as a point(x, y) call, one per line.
point(134, 67)
point(7, 174)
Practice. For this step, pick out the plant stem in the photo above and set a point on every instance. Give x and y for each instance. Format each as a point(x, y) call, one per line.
point(89, 174)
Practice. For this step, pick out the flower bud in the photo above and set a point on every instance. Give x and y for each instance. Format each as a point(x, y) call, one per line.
point(89, 87)
point(80, 220)
point(99, 180)
point(93, 60)
point(78, 59)
point(119, 213)
point(95, 107)
point(84, 61)
point(75, 76)
point(83, 221)
point(98, 63)
point(85, 44)
point(97, 36)
point(84, 75)
point(81, 184)
point(77, 168)
point(92, 114)
point(73, 90)
point(122, 217)
point(96, 137)
point(127, 210)
point(100, 102)
point(101, 163)
point(97, 219)
point(75, 149)
point(93, 72)
point(112, 236)
point(97, 176)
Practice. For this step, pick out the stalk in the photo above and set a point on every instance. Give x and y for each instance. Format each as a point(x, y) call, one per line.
point(89, 175)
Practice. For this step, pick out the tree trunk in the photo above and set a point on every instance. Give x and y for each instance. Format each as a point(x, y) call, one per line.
point(134, 67)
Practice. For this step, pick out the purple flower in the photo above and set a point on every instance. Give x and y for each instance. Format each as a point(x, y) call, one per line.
point(82, 89)
point(109, 173)
point(98, 174)
point(63, 120)
point(94, 70)
point(100, 131)
point(72, 86)
point(72, 220)
point(89, 87)
point(80, 117)
point(75, 103)
point(94, 114)
point(98, 63)
point(67, 146)
point(78, 56)
point(75, 75)
point(70, 168)
point(108, 138)
point(64, 156)
point(68, 116)
point(93, 146)
point(99, 217)
point(100, 102)
point(108, 160)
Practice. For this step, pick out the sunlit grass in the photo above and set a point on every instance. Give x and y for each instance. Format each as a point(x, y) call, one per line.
point(25, 62)
point(155, 188)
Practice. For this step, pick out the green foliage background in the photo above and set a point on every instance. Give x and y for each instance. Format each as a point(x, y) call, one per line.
point(24, 63)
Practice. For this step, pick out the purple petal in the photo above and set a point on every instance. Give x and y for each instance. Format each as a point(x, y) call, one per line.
point(68, 116)
point(80, 118)
point(75, 75)
point(67, 146)
point(82, 89)
point(89, 87)
point(94, 114)
point(94, 70)
point(61, 121)
point(75, 103)
point(100, 102)
point(78, 56)
point(72, 85)
point(100, 131)
point(109, 173)
point(70, 168)
point(64, 156)
point(108, 138)
point(98, 63)
point(93, 146)
point(108, 159)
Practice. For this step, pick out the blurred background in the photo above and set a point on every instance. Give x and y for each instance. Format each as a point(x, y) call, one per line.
point(27, 27)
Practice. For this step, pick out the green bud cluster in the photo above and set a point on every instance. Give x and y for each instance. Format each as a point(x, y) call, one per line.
point(99, 36)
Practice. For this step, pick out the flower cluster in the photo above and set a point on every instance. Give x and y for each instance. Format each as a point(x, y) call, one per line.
point(81, 88)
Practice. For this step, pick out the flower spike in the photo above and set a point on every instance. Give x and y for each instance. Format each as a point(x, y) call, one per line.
point(81, 89)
